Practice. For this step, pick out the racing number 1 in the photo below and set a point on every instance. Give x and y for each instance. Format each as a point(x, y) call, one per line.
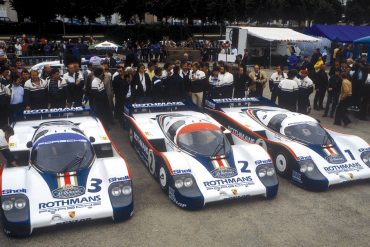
point(350, 154)
point(95, 183)
point(245, 166)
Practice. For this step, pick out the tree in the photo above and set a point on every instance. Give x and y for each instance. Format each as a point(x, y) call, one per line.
point(357, 11)
point(37, 10)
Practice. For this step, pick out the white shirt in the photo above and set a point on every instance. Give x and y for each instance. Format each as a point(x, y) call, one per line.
point(278, 77)
point(199, 75)
point(225, 79)
point(142, 80)
point(97, 84)
point(114, 75)
point(17, 94)
point(68, 79)
point(34, 87)
point(305, 83)
point(288, 85)
point(3, 142)
point(368, 79)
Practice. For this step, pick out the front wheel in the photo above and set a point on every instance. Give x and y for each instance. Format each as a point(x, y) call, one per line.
point(281, 164)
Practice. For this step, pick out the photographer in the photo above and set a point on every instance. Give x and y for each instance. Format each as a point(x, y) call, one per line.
point(258, 82)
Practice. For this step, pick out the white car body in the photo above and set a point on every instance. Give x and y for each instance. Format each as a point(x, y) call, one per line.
point(155, 130)
point(69, 196)
point(303, 151)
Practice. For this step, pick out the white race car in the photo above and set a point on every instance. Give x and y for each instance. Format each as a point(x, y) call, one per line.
point(194, 158)
point(303, 151)
point(73, 173)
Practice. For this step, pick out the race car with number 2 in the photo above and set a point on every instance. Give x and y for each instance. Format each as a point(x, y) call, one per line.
point(302, 150)
point(71, 173)
point(194, 158)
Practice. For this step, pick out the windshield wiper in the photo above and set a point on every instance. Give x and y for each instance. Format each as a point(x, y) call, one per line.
point(75, 162)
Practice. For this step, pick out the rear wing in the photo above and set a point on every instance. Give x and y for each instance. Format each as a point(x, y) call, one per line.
point(238, 102)
point(55, 112)
point(130, 109)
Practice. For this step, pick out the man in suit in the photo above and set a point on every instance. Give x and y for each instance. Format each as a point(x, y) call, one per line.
point(142, 85)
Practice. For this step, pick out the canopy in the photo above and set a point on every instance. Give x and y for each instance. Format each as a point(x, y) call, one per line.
point(364, 40)
point(277, 34)
point(344, 34)
point(107, 46)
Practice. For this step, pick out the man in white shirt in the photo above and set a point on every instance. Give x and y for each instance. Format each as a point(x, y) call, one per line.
point(274, 81)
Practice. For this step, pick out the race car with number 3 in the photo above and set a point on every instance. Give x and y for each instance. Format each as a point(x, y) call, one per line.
point(71, 173)
point(194, 158)
point(302, 150)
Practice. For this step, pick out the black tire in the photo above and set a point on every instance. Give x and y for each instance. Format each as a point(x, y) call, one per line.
point(163, 178)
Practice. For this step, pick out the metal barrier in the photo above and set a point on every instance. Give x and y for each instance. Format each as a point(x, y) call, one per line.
point(32, 60)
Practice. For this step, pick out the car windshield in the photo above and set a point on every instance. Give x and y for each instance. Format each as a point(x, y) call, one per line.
point(204, 142)
point(62, 155)
point(311, 133)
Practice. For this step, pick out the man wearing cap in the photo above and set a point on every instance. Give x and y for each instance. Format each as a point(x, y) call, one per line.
point(305, 88)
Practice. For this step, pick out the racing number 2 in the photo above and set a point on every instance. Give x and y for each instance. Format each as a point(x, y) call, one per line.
point(95, 184)
point(245, 166)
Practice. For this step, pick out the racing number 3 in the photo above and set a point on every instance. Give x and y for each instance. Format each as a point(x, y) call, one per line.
point(245, 166)
point(95, 184)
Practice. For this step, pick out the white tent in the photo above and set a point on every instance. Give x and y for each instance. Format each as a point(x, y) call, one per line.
point(277, 34)
point(239, 35)
point(107, 46)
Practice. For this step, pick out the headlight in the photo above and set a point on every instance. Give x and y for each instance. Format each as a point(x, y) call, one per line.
point(126, 190)
point(365, 156)
point(262, 173)
point(270, 171)
point(179, 183)
point(7, 205)
point(188, 182)
point(116, 191)
point(20, 203)
point(310, 166)
point(303, 168)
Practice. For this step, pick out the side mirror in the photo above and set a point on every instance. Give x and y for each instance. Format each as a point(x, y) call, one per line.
point(29, 144)
point(92, 139)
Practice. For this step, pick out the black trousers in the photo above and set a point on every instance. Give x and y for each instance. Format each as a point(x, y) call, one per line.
point(341, 112)
point(365, 102)
point(274, 92)
point(318, 101)
point(332, 100)
point(303, 103)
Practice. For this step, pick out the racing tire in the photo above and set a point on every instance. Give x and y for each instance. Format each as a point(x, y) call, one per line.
point(131, 136)
point(164, 178)
point(282, 165)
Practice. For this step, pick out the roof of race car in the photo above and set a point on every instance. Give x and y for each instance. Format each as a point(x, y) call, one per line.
point(25, 131)
point(149, 125)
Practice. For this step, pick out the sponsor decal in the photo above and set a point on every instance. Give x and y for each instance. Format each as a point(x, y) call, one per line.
point(72, 203)
point(343, 168)
point(302, 158)
point(236, 100)
point(116, 179)
point(263, 162)
point(12, 145)
point(297, 176)
point(235, 192)
point(241, 135)
point(141, 143)
point(11, 191)
point(339, 159)
point(61, 141)
point(224, 173)
point(147, 133)
point(364, 149)
point(179, 171)
point(73, 221)
point(72, 214)
point(53, 110)
point(103, 138)
point(158, 104)
point(350, 174)
point(228, 183)
point(68, 191)
point(171, 195)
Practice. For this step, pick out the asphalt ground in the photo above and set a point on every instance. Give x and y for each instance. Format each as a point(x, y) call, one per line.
point(296, 217)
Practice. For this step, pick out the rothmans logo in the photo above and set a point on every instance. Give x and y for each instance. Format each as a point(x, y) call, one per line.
point(68, 191)
point(224, 173)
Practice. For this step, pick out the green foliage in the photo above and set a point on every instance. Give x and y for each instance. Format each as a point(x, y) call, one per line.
point(323, 11)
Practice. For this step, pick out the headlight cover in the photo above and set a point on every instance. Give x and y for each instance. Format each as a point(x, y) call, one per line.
point(20, 203)
point(7, 205)
point(365, 156)
point(306, 166)
point(265, 170)
point(183, 181)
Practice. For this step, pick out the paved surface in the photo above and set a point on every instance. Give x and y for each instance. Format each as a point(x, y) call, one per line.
point(338, 217)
